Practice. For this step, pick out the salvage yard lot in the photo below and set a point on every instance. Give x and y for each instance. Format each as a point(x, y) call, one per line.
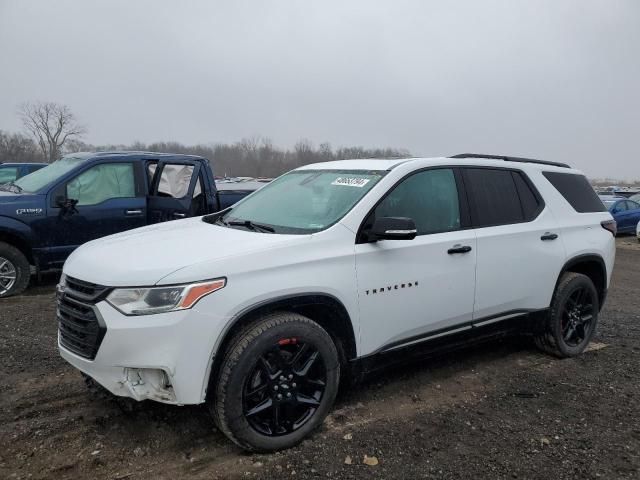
point(501, 410)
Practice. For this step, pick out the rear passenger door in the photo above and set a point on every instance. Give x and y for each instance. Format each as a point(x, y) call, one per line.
point(175, 190)
point(519, 251)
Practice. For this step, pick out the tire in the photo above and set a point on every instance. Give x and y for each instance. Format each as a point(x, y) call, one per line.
point(261, 367)
point(571, 322)
point(14, 264)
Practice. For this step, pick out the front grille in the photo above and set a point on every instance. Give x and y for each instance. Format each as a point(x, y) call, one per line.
point(80, 328)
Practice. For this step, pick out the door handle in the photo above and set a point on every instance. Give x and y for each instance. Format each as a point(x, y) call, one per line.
point(459, 249)
point(179, 215)
point(133, 212)
point(549, 236)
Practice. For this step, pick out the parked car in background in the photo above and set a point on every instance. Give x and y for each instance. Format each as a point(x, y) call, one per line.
point(625, 212)
point(329, 271)
point(10, 172)
point(46, 215)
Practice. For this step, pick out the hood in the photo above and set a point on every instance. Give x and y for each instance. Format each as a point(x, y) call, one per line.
point(6, 197)
point(142, 257)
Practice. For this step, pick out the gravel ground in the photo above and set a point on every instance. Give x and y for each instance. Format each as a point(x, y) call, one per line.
point(501, 410)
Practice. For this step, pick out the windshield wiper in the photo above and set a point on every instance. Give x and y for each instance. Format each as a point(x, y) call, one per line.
point(251, 225)
point(6, 187)
point(12, 184)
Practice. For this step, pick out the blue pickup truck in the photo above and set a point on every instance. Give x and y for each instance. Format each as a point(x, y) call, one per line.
point(45, 215)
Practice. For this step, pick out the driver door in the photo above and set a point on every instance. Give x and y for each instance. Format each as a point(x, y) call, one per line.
point(103, 199)
point(409, 290)
point(175, 186)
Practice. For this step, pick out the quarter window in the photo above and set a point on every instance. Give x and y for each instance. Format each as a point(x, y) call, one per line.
point(103, 182)
point(576, 190)
point(429, 197)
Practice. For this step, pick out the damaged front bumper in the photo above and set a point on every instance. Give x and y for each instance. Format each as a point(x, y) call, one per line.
point(152, 357)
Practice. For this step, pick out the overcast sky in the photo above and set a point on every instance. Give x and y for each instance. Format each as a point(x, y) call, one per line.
point(555, 79)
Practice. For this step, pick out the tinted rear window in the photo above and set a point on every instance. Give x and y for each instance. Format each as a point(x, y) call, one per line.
point(493, 197)
point(577, 191)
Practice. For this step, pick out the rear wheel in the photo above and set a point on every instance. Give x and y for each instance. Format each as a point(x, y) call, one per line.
point(572, 319)
point(15, 271)
point(278, 380)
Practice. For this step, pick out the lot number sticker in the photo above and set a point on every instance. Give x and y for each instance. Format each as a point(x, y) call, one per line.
point(351, 182)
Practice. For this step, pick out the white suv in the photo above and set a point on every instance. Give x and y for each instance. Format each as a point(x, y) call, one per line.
point(329, 270)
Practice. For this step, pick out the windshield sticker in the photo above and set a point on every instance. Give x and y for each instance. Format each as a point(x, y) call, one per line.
point(351, 182)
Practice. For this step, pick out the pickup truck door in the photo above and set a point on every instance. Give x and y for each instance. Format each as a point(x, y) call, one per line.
point(176, 190)
point(412, 290)
point(103, 199)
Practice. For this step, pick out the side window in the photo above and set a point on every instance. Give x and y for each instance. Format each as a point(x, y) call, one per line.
point(577, 191)
point(430, 198)
point(175, 180)
point(103, 182)
point(632, 205)
point(531, 203)
point(151, 171)
point(493, 197)
point(622, 206)
point(8, 174)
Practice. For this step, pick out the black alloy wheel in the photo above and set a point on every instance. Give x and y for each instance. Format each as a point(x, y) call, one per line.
point(276, 382)
point(577, 317)
point(568, 326)
point(285, 388)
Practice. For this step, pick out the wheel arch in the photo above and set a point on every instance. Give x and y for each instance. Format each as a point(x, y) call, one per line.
point(325, 309)
point(594, 267)
point(19, 242)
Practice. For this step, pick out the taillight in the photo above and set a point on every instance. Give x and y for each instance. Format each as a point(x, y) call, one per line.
point(610, 225)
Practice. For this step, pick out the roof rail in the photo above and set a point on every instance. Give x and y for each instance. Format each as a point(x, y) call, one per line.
point(510, 159)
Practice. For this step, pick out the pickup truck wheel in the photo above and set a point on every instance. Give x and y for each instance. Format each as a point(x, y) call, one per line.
point(15, 271)
point(572, 318)
point(278, 380)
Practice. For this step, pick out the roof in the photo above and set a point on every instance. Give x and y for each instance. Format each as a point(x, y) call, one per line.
point(358, 164)
point(128, 154)
point(20, 164)
point(463, 159)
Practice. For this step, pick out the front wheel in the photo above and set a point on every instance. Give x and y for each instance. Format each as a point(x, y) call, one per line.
point(278, 380)
point(571, 321)
point(15, 271)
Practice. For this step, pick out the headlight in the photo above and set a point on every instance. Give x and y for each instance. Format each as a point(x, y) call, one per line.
point(147, 301)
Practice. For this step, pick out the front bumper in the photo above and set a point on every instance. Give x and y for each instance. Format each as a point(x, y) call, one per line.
point(164, 357)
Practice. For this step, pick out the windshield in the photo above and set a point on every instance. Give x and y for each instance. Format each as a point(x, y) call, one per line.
point(609, 203)
point(303, 201)
point(43, 177)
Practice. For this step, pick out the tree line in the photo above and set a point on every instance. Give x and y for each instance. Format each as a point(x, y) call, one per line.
point(252, 157)
point(53, 131)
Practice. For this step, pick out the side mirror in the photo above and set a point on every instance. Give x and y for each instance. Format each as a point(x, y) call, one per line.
point(61, 201)
point(393, 228)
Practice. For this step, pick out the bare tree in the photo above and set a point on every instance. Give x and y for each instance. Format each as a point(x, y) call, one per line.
point(51, 125)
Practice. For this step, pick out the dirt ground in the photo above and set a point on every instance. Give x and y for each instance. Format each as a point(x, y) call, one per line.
point(502, 410)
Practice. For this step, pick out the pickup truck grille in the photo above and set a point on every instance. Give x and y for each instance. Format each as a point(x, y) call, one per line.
point(80, 328)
